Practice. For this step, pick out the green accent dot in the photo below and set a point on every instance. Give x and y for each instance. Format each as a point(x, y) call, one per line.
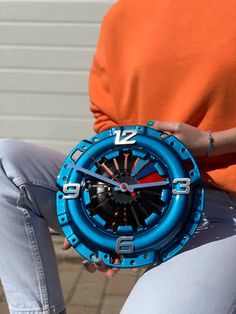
point(150, 123)
point(86, 264)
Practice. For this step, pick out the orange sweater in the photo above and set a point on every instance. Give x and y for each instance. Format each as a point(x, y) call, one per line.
point(169, 61)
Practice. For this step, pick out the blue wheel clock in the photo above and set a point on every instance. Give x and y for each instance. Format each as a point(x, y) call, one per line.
point(131, 191)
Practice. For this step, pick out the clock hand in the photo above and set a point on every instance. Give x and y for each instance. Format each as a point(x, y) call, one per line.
point(145, 185)
point(97, 176)
point(122, 186)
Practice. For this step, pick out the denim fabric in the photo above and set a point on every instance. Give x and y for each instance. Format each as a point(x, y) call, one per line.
point(202, 278)
point(28, 267)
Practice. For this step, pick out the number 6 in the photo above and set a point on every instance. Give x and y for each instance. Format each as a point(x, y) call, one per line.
point(122, 247)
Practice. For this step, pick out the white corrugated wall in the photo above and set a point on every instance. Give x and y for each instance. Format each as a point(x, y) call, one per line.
point(46, 49)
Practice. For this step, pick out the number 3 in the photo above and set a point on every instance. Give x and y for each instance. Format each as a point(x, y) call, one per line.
point(185, 186)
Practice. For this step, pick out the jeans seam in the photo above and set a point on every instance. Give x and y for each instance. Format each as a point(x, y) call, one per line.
point(36, 257)
point(40, 310)
point(21, 181)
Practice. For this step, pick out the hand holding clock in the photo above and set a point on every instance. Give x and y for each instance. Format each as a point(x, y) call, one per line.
point(98, 264)
point(197, 140)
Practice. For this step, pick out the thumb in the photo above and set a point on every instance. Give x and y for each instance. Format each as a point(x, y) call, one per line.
point(163, 126)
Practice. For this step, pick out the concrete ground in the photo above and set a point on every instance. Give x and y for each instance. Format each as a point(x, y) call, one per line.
point(86, 293)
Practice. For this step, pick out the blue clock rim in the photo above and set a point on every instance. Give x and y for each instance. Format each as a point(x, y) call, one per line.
point(83, 163)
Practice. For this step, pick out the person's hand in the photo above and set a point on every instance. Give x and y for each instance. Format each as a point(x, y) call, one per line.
point(195, 139)
point(98, 264)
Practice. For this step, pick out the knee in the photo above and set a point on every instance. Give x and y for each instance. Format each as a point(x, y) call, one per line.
point(9, 148)
point(12, 155)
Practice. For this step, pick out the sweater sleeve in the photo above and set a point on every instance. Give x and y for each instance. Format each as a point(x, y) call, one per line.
point(101, 102)
point(100, 94)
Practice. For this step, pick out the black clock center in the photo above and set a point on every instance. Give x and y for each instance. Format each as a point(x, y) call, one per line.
point(124, 197)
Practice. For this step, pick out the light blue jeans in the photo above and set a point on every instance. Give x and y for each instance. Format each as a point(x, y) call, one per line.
point(201, 280)
point(28, 267)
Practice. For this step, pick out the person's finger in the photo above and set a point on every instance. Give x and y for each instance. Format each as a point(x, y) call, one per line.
point(163, 126)
point(113, 271)
point(88, 266)
point(100, 265)
point(66, 245)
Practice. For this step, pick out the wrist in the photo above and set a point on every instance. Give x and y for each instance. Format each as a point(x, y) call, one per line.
point(202, 144)
point(210, 143)
point(224, 142)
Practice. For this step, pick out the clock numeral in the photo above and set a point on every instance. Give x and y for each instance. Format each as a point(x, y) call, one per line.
point(126, 140)
point(72, 189)
point(123, 245)
point(184, 186)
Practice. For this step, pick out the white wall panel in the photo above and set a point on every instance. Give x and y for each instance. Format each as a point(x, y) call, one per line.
point(43, 81)
point(48, 34)
point(54, 11)
point(33, 104)
point(44, 128)
point(46, 49)
point(67, 58)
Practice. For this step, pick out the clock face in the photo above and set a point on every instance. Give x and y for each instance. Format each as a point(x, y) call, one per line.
point(131, 191)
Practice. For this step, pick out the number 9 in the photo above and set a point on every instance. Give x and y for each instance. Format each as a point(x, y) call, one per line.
point(72, 189)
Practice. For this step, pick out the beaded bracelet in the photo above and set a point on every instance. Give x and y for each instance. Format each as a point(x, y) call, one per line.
point(210, 143)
